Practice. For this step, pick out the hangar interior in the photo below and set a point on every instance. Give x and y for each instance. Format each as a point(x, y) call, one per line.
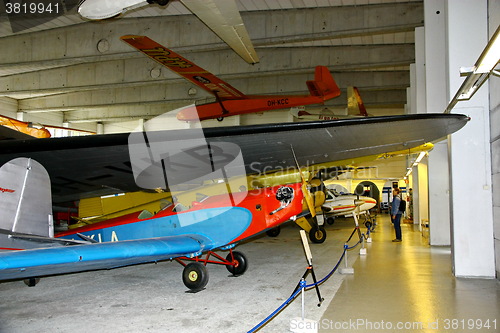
point(75, 76)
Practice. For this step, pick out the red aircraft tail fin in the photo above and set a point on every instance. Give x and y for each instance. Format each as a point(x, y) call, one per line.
point(323, 84)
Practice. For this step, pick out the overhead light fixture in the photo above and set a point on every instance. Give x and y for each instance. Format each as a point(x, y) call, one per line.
point(408, 172)
point(479, 73)
point(414, 164)
point(420, 157)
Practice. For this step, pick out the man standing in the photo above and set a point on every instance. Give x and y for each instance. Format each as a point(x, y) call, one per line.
point(396, 213)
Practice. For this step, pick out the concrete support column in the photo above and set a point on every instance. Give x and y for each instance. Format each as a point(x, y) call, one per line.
point(439, 196)
point(420, 91)
point(436, 101)
point(423, 192)
point(470, 158)
point(99, 128)
point(416, 194)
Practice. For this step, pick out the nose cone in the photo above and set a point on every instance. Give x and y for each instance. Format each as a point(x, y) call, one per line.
point(188, 114)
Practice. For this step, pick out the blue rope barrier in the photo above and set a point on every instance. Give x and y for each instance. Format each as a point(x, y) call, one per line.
point(306, 286)
point(275, 312)
point(329, 274)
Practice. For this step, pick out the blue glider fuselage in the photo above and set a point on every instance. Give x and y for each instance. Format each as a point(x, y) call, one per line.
point(217, 222)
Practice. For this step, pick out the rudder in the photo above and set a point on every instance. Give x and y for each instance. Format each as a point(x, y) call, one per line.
point(25, 198)
point(355, 105)
point(323, 84)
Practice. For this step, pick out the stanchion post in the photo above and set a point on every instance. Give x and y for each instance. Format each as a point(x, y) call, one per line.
point(362, 251)
point(303, 292)
point(346, 270)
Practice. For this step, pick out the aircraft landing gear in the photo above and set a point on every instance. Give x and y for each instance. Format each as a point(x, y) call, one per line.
point(330, 220)
point(239, 263)
point(31, 282)
point(160, 2)
point(195, 274)
point(274, 232)
point(317, 234)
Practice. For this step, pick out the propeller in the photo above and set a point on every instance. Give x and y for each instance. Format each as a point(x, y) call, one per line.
point(305, 191)
point(317, 233)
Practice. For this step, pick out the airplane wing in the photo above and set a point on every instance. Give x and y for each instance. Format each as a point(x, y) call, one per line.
point(77, 258)
point(7, 133)
point(221, 16)
point(183, 67)
point(224, 19)
point(96, 165)
point(24, 127)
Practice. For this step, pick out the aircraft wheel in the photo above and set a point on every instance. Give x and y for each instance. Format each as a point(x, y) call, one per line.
point(317, 234)
point(241, 266)
point(330, 220)
point(31, 282)
point(220, 118)
point(274, 232)
point(195, 276)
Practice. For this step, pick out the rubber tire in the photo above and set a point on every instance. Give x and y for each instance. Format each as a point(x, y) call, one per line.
point(242, 266)
point(195, 276)
point(330, 220)
point(317, 235)
point(31, 282)
point(274, 232)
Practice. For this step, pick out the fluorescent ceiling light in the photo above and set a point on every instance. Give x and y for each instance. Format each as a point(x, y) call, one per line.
point(420, 157)
point(490, 56)
point(479, 73)
point(409, 172)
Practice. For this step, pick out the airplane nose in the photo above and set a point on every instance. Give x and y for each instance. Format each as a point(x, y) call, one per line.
point(189, 114)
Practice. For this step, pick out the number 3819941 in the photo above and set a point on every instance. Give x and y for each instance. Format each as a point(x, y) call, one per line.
point(32, 8)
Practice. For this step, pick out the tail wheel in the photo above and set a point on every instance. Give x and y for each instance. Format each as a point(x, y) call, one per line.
point(241, 263)
point(195, 276)
point(31, 282)
point(274, 232)
point(317, 234)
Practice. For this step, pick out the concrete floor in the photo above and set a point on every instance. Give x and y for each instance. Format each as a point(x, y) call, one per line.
point(395, 282)
point(153, 298)
point(409, 287)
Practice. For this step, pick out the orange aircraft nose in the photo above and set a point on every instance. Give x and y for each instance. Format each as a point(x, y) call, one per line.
point(188, 114)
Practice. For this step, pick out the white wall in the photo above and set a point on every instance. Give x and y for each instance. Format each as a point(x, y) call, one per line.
point(494, 85)
point(471, 194)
